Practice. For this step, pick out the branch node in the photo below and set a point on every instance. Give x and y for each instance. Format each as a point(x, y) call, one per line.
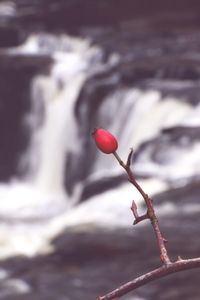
point(128, 163)
point(140, 218)
point(179, 258)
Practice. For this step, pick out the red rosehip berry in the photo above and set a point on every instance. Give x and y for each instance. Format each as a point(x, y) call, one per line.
point(105, 141)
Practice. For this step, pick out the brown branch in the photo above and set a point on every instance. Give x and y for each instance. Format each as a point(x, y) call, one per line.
point(150, 209)
point(179, 265)
point(128, 163)
point(168, 267)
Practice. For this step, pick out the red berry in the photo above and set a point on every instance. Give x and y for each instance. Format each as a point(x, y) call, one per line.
point(105, 141)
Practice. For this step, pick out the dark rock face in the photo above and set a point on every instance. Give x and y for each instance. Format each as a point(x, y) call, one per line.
point(70, 16)
point(9, 36)
point(14, 92)
point(89, 13)
point(15, 78)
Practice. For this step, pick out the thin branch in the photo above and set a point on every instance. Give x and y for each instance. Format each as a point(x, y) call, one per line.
point(179, 265)
point(167, 267)
point(150, 209)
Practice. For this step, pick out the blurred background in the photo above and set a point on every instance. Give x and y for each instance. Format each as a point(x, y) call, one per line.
point(131, 67)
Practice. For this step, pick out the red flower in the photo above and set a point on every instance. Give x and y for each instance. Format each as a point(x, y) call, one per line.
point(105, 141)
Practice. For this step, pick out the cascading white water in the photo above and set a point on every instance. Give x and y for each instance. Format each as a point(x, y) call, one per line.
point(40, 198)
point(55, 94)
point(142, 115)
point(58, 134)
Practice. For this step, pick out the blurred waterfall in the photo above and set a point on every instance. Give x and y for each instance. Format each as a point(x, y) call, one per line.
point(54, 131)
point(58, 134)
point(138, 116)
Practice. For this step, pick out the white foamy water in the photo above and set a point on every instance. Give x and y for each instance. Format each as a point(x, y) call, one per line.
point(182, 163)
point(193, 118)
point(7, 9)
point(142, 115)
point(110, 210)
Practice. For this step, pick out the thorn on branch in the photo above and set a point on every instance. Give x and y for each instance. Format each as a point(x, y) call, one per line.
point(128, 163)
point(179, 258)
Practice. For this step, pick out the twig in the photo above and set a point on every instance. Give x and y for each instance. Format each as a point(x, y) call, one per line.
point(150, 209)
point(179, 265)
